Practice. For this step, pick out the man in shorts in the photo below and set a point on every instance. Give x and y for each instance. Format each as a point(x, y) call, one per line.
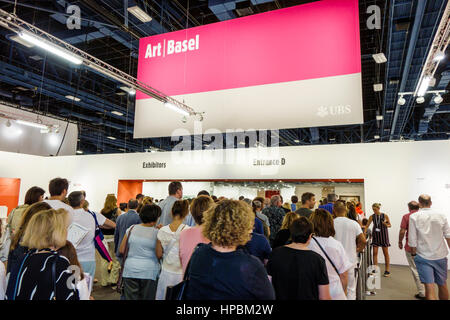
point(428, 232)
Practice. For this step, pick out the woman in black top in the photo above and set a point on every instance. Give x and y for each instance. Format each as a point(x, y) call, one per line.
point(16, 250)
point(297, 272)
point(43, 274)
point(284, 235)
point(220, 271)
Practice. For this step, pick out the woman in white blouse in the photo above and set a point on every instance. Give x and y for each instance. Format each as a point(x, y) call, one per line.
point(167, 248)
point(338, 264)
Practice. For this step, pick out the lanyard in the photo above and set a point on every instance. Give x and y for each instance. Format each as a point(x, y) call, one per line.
point(378, 220)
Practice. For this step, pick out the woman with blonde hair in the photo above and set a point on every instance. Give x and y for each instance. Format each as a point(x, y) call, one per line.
point(109, 271)
point(16, 250)
point(43, 273)
point(283, 236)
point(221, 271)
point(380, 235)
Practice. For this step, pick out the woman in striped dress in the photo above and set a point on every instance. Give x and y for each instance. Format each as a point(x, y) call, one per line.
point(380, 235)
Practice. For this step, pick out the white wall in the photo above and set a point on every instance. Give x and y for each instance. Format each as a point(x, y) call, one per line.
point(394, 173)
point(24, 139)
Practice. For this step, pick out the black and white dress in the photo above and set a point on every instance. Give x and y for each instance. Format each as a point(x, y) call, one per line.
point(41, 275)
point(380, 234)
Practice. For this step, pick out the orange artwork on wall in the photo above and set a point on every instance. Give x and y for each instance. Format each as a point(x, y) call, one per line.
point(9, 192)
point(128, 189)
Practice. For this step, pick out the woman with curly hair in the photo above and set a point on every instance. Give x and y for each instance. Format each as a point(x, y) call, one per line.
point(220, 271)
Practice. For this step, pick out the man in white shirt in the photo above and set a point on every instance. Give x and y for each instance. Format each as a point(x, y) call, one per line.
point(58, 191)
point(86, 248)
point(350, 234)
point(428, 233)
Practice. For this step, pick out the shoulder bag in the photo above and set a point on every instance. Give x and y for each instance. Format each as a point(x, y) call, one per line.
point(326, 255)
point(125, 255)
point(98, 240)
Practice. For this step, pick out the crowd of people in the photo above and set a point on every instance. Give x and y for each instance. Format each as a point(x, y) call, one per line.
point(217, 248)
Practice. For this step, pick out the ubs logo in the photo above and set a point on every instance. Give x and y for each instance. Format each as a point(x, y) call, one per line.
point(333, 110)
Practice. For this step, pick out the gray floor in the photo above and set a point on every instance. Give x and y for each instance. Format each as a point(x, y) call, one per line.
point(399, 286)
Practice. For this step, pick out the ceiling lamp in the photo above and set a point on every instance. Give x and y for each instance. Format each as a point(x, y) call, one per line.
point(376, 137)
point(117, 113)
point(73, 98)
point(111, 138)
point(379, 57)
point(140, 14)
point(378, 87)
point(401, 101)
point(379, 118)
point(438, 99)
point(420, 100)
point(79, 151)
point(296, 141)
point(41, 43)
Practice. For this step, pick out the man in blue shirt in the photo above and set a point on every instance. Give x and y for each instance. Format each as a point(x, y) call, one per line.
point(175, 194)
point(331, 198)
point(123, 222)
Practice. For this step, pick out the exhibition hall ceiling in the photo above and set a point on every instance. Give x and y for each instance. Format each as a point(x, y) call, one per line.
point(105, 113)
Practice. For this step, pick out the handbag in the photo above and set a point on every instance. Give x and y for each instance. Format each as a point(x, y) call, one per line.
point(177, 291)
point(98, 240)
point(122, 265)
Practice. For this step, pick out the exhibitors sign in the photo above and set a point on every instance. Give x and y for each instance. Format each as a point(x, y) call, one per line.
point(287, 68)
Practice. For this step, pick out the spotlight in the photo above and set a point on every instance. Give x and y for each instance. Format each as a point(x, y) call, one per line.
point(440, 55)
point(401, 101)
point(420, 100)
point(438, 99)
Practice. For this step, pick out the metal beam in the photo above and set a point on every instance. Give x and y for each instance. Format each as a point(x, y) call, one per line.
point(420, 10)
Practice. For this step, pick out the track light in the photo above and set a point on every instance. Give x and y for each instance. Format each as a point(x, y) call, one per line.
point(438, 99)
point(50, 48)
point(401, 101)
point(420, 100)
point(424, 86)
point(176, 108)
point(130, 91)
point(440, 55)
point(32, 124)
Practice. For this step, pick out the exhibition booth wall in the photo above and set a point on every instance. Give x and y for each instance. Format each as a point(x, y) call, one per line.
point(393, 173)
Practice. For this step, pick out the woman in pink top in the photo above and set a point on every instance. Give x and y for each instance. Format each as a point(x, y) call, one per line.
point(189, 238)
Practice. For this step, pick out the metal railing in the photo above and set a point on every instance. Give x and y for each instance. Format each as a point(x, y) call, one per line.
point(362, 274)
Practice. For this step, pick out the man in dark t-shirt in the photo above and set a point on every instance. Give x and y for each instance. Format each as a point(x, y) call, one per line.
point(297, 272)
point(308, 203)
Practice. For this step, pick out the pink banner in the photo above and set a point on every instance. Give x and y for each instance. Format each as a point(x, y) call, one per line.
point(310, 41)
